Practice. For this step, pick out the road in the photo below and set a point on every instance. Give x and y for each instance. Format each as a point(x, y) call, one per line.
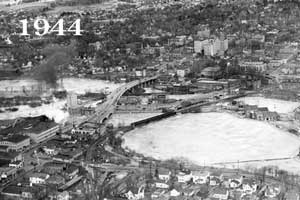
point(104, 110)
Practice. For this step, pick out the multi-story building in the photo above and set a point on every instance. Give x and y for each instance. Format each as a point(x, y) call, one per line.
point(257, 66)
point(43, 132)
point(16, 142)
point(211, 47)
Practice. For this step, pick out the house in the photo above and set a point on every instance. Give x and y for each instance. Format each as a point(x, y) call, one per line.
point(272, 191)
point(220, 194)
point(51, 151)
point(249, 186)
point(174, 193)
point(38, 178)
point(164, 174)
point(184, 177)
point(136, 193)
point(260, 113)
point(235, 181)
point(214, 181)
point(161, 184)
point(200, 177)
point(178, 40)
point(158, 193)
point(16, 164)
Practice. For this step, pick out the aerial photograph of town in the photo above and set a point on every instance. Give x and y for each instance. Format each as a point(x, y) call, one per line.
point(149, 99)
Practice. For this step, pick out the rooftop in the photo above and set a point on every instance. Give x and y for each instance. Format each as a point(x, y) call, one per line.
point(30, 125)
point(16, 138)
point(40, 175)
point(8, 156)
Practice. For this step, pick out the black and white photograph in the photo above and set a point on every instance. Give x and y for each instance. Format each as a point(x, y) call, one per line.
point(149, 99)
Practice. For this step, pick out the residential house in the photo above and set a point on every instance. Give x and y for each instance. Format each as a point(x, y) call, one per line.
point(200, 177)
point(220, 194)
point(51, 151)
point(161, 184)
point(174, 193)
point(272, 191)
point(164, 174)
point(16, 164)
point(184, 177)
point(38, 178)
point(158, 193)
point(235, 181)
point(215, 178)
point(136, 193)
point(214, 181)
point(260, 113)
point(249, 186)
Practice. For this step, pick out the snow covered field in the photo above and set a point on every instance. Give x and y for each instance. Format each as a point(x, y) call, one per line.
point(53, 110)
point(214, 137)
point(277, 105)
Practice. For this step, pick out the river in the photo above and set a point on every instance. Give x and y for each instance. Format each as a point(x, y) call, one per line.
point(208, 138)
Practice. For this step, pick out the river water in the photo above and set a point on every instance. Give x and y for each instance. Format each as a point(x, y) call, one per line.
point(208, 138)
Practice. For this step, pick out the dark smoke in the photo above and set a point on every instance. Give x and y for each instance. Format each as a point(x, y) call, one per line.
point(57, 58)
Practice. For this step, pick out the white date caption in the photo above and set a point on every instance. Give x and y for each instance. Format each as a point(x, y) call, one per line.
point(42, 27)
